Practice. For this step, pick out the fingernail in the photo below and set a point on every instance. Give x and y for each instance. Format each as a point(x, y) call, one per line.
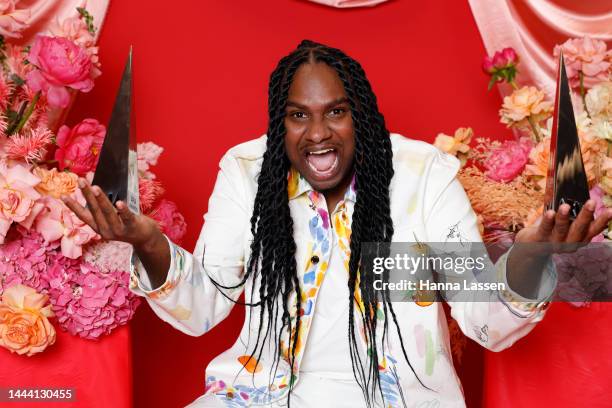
point(550, 214)
point(81, 183)
point(564, 210)
point(96, 190)
point(590, 205)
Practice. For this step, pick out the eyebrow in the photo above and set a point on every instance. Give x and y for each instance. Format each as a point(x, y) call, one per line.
point(327, 105)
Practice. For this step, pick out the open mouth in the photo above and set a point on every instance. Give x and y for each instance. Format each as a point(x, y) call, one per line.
point(322, 162)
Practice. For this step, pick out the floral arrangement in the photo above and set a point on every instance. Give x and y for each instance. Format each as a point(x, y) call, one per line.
point(505, 181)
point(55, 268)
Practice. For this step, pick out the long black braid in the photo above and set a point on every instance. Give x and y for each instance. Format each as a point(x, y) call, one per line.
point(273, 247)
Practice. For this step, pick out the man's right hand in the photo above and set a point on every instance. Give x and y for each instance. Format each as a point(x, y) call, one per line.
point(118, 223)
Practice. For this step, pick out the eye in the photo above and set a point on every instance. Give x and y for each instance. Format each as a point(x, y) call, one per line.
point(297, 115)
point(336, 112)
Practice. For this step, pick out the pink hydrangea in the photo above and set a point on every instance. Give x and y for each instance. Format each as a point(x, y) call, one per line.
point(87, 302)
point(24, 259)
point(584, 274)
point(79, 147)
point(61, 64)
point(588, 56)
point(508, 161)
point(171, 222)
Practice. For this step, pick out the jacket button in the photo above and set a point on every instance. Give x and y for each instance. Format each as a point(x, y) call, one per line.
point(314, 259)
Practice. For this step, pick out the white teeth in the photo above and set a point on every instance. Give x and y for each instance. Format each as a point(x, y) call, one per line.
point(321, 151)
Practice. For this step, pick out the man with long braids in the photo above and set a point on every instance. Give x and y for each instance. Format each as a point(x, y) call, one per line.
point(285, 226)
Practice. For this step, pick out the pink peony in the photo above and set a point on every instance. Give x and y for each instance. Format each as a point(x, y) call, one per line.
point(170, 220)
point(58, 222)
point(17, 197)
point(588, 56)
point(61, 63)
point(508, 161)
point(13, 21)
point(75, 29)
point(89, 303)
point(148, 154)
point(79, 147)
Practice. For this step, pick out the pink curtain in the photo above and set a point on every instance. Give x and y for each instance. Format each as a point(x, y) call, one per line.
point(533, 27)
point(43, 12)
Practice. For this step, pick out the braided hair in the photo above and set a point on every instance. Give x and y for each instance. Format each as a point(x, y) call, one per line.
point(273, 247)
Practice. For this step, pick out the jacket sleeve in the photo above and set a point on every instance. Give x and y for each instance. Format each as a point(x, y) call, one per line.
point(189, 299)
point(499, 317)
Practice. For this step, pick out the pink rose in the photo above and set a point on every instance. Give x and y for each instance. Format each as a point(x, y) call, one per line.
point(588, 56)
point(79, 147)
point(12, 21)
point(61, 63)
point(508, 161)
point(17, 197)
point(502, 66)
point(170, 220)
point(58, 222)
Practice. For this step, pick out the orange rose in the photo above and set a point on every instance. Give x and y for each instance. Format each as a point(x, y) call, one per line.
point(54, 183)
point(524, 103)
point(24, 327)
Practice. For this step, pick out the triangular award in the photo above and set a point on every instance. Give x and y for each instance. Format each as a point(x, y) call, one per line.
point(566, 180)
point(117, 170)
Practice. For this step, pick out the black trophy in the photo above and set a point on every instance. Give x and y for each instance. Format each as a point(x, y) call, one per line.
point(566, 180)
point(117, 170)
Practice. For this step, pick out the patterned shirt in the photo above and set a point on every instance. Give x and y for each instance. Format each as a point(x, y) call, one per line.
point(427, 204)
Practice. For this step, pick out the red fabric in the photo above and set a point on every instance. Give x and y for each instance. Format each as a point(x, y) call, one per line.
point(563, 362)
point(99, 371)
point(201, 71)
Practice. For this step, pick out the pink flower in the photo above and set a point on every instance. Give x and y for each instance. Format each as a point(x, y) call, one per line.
point(61, 63)
point(75, 30)
point(17, 196)
point(15, 60)
point(588, 56)
point(31, 147)
point(508, 161)
point(58, 222)
point(148, 154)
point(89, 303)
point(170, 220)
point(24, 259)
point(502, 66)
point(12, 21)
point(79, 147)
point(149, 191)
point(109, 255)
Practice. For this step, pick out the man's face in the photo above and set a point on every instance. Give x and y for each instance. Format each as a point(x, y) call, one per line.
point(320, 140)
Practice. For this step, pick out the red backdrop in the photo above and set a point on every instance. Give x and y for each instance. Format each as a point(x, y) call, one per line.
point(201, 72)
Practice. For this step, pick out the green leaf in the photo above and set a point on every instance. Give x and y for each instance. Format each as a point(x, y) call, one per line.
point(17, 80)
point(492, 82)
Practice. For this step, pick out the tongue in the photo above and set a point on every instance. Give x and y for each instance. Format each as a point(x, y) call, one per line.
point(322, 162)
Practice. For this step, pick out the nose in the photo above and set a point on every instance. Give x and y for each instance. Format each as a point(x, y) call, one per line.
point(318, 131)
